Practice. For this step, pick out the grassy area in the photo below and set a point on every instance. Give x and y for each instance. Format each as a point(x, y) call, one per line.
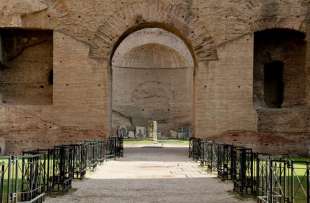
point(300, 159)
point(131, 141)
point(12, 176)
point(298, 180)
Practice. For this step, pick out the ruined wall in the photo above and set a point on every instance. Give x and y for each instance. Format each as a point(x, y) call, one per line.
point(224, 90)
point(288, 47)
point(162, 95)
point(26, 75)
point(218, 33)
point(78, 109)
point(152, 82)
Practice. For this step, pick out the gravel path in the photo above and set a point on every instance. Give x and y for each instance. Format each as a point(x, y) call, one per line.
point(150, 175)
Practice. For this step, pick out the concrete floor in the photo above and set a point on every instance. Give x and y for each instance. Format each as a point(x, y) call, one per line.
point(150, 175)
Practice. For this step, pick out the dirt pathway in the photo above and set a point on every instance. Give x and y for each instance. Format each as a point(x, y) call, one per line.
point(150, 175)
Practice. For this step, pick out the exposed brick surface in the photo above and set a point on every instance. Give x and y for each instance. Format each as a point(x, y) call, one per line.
point(219, 35)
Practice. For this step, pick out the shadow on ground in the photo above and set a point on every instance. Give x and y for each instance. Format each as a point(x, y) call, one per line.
point(151, 175)
point(149, 153)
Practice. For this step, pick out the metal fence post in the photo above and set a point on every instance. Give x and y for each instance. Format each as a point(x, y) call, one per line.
point(308, 182)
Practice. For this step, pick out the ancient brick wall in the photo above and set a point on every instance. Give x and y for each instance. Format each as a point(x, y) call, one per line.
point(219, 35)
point(287, 47)
point(152, 73)
point(162, 95)
point(27, 70)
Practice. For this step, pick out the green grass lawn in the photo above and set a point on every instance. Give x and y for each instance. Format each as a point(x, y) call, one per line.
point(299, 179)
point(13, 182)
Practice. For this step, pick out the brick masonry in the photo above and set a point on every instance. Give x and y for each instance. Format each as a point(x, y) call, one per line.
point(152, 74)
point(219, 35)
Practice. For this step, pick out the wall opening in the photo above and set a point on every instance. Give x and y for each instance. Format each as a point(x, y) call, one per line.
point(273, 84)
point(279, 68)
point(26, 66)
point(152, 79)
point(51, 77)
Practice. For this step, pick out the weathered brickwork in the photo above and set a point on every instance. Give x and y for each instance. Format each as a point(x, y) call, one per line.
point(152, 72)
point(27, 68)
point(219, 35)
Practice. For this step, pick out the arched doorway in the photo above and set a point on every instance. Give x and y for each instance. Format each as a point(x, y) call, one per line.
point(152, 80)
point(172, 18)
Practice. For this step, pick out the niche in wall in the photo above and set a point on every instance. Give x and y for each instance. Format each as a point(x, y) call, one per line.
point(279, 68)
point(26, 70)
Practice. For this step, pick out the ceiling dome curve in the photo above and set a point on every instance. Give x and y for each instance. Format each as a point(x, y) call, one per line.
point(152, 56)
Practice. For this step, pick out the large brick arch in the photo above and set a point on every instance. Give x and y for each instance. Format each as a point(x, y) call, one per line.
point(297, 24)
point(148, 14)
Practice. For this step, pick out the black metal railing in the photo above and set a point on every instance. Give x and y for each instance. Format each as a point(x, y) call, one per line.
point(22, 178)
point(35, 173)
point(225, 158)
point(195, 149)
point(243, 170)
point(273, 179)
point(114, 147)
point(63, 168)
